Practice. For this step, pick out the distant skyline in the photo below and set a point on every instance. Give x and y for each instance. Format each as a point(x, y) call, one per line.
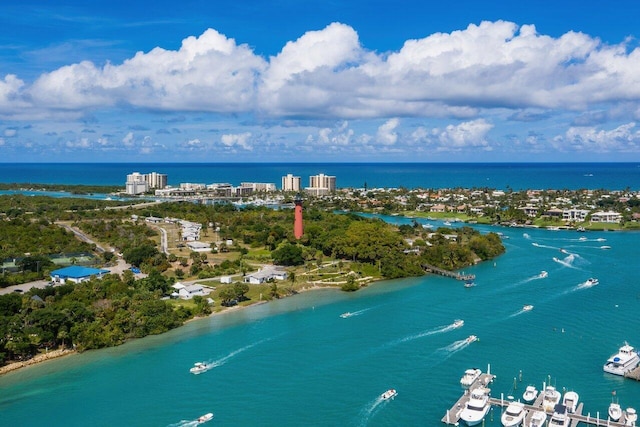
point(319, 81)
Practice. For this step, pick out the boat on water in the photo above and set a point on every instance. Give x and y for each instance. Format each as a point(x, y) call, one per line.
point(543, 274)
point(469, 284)
point(469, 377)
point(614, 411)
point(560, 417)
point(550, 398)
point(514, 415)
point(530, 394)
point(623, 361)
point(605, 247)
point(389, 394)
point(471, 338)
point(630, 417)
point(205, 418)
point(458, 323)
point(347, 314)
point(527, 307)
point(198, 368)
point(570, 401)
point(581, 229)
point(538, 418)
point(476, 407)
point(592, 281)
point(447, 223)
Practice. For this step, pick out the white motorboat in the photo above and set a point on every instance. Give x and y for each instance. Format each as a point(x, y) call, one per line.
point(198, 368)
point(530, 394)
point(592, 281)
point(389, 394)
point(560, 417)
point(514, 415)
point(570, 400)
point(347, 314)
point(550, 398)
point(623, 361)
point(469, 377)
point(630, 417)
point(469, 284)
point(543, 274)
point(476, 407)
point(615, 411)
point(471, 338)
point(527, 307)
point(458, 323)
point(538, 418)
point(205, 418)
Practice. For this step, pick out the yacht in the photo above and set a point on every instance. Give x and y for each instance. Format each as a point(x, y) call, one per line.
point(538, 419)
point(527, 307)
point(592, 281)
point(458, 323)
point(469, 377)
point(623, 361)
point(543, 274)
point(198, 368)
point(389, 394)
point(615, 411)
point(560, 417)
point(205, 418)
point(530, 394)
point(630, 417)
point(476, 407)
point(570, 401)
point(514, 415)
point(551, 397)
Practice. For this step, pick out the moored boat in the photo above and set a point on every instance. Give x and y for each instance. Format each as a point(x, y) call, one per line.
point(623, 361)
point(476, 407)
point(514, 415)
point(469, 377)
point(614, 411)
point(630, 417)
point(551, 397)
point(389, 394)
point(530, 394)
point(560, 417)
point(570, 400)
point(538, 418)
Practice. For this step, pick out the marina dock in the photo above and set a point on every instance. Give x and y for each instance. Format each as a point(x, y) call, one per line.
point(446, 273)
point(452, 416)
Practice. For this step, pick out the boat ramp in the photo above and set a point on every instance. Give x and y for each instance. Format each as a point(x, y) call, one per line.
point(452, 416)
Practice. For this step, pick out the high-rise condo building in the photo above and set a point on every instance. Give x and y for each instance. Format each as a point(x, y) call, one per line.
point(291, 183)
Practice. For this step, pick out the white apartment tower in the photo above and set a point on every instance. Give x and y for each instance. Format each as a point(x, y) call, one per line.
point(291, 183)
point(322, 184)
point(157, 180)
point(138, 183)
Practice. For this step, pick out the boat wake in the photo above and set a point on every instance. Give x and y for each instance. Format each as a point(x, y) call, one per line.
point(354, 313)
point(437, 330)
point(371, 409)
point(225, 359)
point(453, 348)
point(567, 261)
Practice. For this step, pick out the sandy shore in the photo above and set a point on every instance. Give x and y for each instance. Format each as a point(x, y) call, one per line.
point(36, 359)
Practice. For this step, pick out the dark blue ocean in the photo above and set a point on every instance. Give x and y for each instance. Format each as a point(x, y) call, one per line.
point(516, 176)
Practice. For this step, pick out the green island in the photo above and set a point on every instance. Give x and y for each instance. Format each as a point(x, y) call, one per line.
point(39, 234)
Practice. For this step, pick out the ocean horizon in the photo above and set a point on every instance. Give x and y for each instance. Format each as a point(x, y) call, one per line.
point(515, 176)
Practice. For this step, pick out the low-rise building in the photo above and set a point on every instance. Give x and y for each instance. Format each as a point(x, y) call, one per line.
point(76, 274)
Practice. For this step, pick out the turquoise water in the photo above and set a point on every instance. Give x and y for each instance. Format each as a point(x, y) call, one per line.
point(296, 362)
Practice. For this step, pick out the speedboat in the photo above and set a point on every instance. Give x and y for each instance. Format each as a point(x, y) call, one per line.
point(592, 281)
point(347, 314)
point(605, 247)
point(570, 400)
point(514, 414)
point(527, 307)
point(471, 338)
point(198, 368)
point(538, 418)
point(550, 398)
point(389, 394)
point(623, 361)
point(560, 417)
point(630, 417)
point(615, 411)
point(458, 323)
point(469, 377)
point(543, 274)
point(476, 407)
point(469, 284)
point(530, 394)
point(205, 418)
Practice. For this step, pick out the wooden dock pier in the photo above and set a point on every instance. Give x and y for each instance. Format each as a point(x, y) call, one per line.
point(452, 416)
point(446, 273)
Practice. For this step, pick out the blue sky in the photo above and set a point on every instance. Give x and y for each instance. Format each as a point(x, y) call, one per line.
point(319, 81)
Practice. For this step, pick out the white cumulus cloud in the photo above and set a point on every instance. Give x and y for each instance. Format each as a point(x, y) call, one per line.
point(237, 140)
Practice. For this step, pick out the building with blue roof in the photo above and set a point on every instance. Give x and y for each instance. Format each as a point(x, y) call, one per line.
point(76, 274)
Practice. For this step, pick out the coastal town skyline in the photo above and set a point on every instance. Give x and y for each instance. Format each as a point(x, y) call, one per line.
point(286, 81)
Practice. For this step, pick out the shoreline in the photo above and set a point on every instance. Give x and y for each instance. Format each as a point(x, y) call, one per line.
point(37, 359)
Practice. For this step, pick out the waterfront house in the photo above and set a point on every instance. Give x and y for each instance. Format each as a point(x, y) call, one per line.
point(609, 217)
point(76, 274)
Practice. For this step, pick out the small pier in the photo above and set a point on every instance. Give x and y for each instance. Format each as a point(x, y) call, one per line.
point(452, 416)
point(446, 273)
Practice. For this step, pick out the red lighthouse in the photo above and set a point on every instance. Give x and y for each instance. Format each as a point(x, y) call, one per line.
point(297, 225)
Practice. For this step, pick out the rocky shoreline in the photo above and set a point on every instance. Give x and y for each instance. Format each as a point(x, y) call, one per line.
point(34, 360)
